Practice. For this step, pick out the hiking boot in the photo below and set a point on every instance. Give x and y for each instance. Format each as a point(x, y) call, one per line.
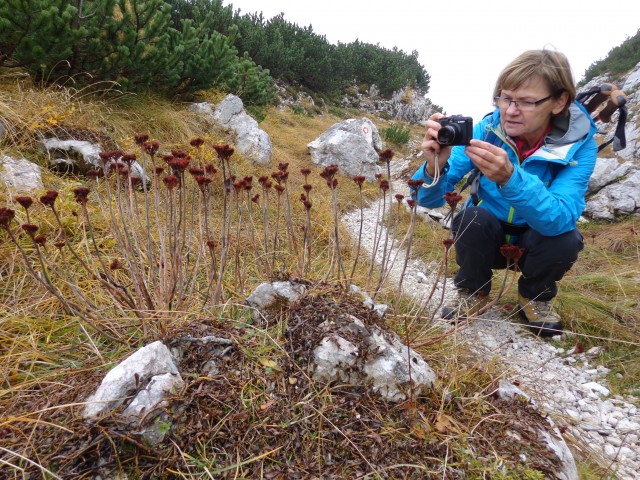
point(543, 320)
point(465, 305)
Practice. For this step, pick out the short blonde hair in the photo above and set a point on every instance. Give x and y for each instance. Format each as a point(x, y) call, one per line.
point(551, 67)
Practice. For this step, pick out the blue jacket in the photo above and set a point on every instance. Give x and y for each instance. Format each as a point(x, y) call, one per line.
point(546, 191)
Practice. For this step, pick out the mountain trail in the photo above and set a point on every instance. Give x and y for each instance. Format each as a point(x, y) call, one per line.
point(563, 383)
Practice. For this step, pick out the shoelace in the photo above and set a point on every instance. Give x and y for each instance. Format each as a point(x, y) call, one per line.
point(542, 309)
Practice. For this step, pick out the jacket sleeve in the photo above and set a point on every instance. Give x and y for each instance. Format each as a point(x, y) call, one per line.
point(554, 209)
point(459, 165)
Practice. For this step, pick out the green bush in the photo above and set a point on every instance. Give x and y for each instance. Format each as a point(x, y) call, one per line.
point(619, 60)
point(397, 134)
point(171, 48)
point(299, 55)
point(178, 47)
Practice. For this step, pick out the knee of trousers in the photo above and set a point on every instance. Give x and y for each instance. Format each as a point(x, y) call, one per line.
point(561, 248)
point(473, 223)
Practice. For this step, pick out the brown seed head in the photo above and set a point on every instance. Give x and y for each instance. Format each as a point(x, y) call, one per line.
point(129, 158)
point(202, 181)
point(140, 138)
point(386, 155)
point(107, 155)
point(6, 215)
point(511, 252)
point(151, 147)
point(452, 199)
point(171, 181)
point(224, 152)
point(414, 185)
point(179, 164)
point(49, 198)
point(329, 171)
point(81, 194)
point(179, 153)
point(92, 174)
point(25, 201)
point(30, 229)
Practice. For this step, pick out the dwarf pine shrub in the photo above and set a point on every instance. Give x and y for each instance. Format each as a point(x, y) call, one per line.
point(397, 134)
point(136, 45)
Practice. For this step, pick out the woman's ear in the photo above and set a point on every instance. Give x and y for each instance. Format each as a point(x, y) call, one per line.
point(560, 103)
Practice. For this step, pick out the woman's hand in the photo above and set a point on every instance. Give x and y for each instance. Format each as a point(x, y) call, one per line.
point(431, 147)
point(491, 160)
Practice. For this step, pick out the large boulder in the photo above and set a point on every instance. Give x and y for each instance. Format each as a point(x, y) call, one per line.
point(609, 171)
point(353, 145)
point(617, 199)
point(410, 105)
point(407, 104)
point(20, 175)
point(250, 140)
point(631, 86)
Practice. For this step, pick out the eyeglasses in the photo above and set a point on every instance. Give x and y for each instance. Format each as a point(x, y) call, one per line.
point(522, 105)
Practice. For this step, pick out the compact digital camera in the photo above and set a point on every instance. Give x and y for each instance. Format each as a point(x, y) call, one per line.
point(456, 130)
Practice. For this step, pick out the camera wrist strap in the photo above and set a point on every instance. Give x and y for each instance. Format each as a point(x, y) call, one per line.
point(436, 175)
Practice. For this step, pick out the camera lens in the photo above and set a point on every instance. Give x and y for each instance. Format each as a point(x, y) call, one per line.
point(447, 135)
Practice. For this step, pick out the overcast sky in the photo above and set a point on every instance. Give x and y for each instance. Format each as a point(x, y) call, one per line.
point(464, 44)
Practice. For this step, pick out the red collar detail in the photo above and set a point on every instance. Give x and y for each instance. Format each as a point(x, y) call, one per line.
point(522, 153)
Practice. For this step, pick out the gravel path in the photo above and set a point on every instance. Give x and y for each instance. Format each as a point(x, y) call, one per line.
point(563, 383)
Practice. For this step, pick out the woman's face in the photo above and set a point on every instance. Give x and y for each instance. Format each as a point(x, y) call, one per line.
point(529, 124)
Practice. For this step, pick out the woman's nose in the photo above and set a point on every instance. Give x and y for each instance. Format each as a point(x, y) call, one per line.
point(512, 108)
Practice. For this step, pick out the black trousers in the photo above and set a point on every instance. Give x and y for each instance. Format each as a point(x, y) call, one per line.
point(478, 236)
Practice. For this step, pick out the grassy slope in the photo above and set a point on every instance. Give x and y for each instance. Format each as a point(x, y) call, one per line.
point(45, 355)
